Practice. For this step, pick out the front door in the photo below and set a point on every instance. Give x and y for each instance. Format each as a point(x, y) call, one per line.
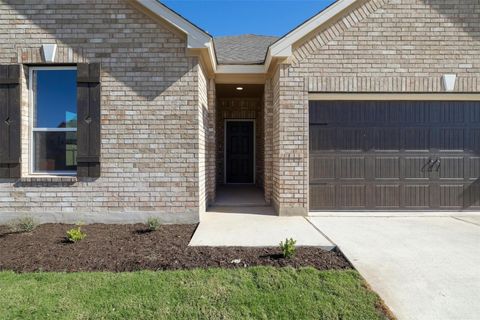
point(239, 151)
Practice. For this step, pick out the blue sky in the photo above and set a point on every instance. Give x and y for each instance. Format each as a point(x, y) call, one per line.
point(234, 17)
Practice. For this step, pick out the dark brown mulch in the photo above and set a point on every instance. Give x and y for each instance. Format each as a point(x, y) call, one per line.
point(131, 248)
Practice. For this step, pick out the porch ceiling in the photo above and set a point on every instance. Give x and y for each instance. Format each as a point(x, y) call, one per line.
point(230, 90)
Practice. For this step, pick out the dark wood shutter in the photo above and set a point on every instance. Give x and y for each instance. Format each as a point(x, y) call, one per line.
point(10, 122)
point(88, 131)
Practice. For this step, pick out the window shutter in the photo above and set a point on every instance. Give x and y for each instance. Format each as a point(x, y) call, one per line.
point(88, 123)
point(10, 122)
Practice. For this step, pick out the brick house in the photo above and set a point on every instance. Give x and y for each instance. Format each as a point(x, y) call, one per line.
point(121, 109)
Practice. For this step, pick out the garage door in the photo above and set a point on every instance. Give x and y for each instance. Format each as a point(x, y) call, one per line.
point(394, 155)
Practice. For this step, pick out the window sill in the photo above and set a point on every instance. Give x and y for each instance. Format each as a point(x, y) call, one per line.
point(49, 178)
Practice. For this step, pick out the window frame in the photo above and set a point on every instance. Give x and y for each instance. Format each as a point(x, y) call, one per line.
point(31, 128)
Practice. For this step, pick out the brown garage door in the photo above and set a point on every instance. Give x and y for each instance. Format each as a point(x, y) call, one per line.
point(394, 155)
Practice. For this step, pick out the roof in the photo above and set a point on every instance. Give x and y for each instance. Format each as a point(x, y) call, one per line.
point(245, 53)
point(242, 49)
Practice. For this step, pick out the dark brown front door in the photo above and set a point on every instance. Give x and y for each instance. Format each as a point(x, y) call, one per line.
point(239, 151)
point(394, 155)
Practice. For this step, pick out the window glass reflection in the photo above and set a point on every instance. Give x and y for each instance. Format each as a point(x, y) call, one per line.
point(55, 151)
point(55, 98)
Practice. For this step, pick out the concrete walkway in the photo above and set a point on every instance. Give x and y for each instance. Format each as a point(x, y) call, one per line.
point(425, 268)
point(254, 227)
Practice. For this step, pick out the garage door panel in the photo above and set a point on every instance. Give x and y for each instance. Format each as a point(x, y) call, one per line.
point(417, 196)
point(350, 113)
point(387, 196)
point(447, 112)
point(322, 138)
point(322, 113)
point(387, 168)
point(472, 196)
point(474, 138)
point(352, 196)
point(450, 168)
point(352, 139)
point(474, 166)
point(417, 139)
point(385, 155)
point(451, 139)
point(451, 196)
point(415, 112)
point(322, 196)
point(350, 167)
point(322, 168)
point(473, 112)
point(386, 139)
point(416, 167)
point(385, 113)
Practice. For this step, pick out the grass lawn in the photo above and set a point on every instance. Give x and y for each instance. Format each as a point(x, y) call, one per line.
point(252, 293)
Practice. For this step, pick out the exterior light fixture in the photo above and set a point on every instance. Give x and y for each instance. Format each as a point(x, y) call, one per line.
point(239, 88)
point(449, 82)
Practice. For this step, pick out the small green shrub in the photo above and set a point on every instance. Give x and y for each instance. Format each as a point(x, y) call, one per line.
point(153, 223)
point(75, 234)
point(288, 248)
point(25, 224)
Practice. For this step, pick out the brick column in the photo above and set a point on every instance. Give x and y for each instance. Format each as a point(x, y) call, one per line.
point(211, 143)
point(290, 144)
point(268, 139)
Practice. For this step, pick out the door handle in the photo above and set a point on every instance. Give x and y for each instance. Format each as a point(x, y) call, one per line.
point(429, 165)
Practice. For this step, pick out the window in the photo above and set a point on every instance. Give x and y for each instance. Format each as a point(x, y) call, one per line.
point(54, 120)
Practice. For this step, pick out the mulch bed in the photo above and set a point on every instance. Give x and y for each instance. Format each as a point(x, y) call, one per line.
point(132, 248)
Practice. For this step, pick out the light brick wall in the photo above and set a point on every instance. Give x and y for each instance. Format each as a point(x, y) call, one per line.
point(380, 46)
point(203, 114)
point(275, 88)
point(395, 46)
point(151, 109)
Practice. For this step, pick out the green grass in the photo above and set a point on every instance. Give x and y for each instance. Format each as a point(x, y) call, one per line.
point(253, 293)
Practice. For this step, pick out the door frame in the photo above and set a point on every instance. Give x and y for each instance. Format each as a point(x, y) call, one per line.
point(226, 121)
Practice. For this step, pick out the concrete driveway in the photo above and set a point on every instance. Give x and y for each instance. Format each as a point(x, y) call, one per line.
point(425, 268)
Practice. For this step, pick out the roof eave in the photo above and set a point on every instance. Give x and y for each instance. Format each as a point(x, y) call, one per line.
point(198, 41)
point(196, 37)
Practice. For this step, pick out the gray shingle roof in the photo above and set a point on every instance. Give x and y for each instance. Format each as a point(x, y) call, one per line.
point(243, 49)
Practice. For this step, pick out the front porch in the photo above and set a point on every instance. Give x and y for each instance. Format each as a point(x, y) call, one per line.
point(239, 195)
point(241, 164)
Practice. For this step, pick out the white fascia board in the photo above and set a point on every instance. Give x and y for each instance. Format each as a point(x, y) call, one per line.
point(268, 59)
point(196, 37)
point(240, 69)
point(212, 55)
point(283, 47)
